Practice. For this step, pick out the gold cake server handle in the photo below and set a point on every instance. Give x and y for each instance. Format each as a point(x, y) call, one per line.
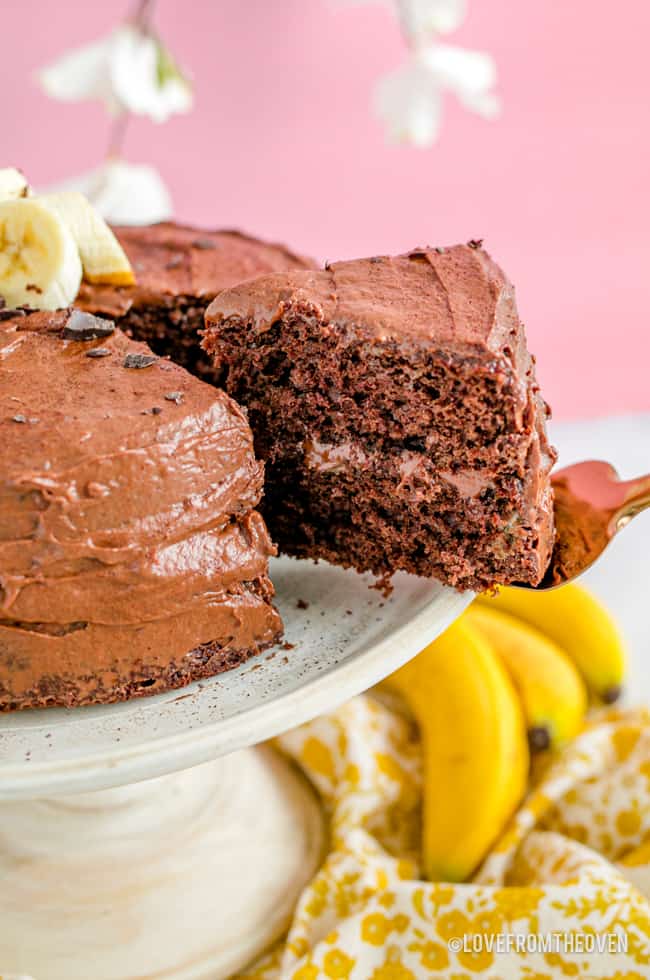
point(592, 504)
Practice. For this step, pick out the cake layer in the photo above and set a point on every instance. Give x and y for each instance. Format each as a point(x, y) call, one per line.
point(460, 413)
point(128, 533)
point(408, 515)
point(83, 663)
point(179, 270)
point(419, 359)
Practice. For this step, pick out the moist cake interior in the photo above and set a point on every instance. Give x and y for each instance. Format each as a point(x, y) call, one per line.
point(395, 406)
point(179, 270)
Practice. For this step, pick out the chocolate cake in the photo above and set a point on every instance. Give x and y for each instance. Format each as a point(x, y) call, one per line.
point(132, 558)
point(179, 270)
point(395, 405)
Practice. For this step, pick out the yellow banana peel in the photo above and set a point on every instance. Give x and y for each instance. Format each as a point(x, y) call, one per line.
point(576, 622)
point(475, 748)
point(552, 692)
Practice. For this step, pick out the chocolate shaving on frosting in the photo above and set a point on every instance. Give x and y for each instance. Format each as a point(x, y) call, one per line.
point(139, 361)
point(141, 526)
point(86, 326)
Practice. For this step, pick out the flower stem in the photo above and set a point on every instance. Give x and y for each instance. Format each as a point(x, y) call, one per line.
point(141, 19)
point(116, 135)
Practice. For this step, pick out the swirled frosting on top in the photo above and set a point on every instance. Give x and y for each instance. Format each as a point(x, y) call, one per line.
point(128, 534)
point(172, 260)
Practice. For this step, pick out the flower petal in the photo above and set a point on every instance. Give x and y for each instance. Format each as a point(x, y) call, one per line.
point(82, 74)
point(145, 77)
point(458, 69)
point(424, 16)
point(128, 71)
point(123, 193)
point(432, 16)
point(409, 103)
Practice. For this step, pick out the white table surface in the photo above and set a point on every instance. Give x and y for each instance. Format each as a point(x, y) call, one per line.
point(622, 577)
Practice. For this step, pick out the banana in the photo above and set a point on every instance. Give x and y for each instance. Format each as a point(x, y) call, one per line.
point(12, 184)
point(474, 743)
point(551, 689)
point(39, 258)
point(573, 618)
point(102, 257)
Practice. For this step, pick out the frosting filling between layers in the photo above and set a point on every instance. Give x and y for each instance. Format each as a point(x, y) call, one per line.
point(395, 404)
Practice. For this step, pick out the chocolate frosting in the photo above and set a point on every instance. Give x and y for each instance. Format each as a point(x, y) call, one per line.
point(172, 260)
point(455, 296)
point(453, 301)
point(127, 525)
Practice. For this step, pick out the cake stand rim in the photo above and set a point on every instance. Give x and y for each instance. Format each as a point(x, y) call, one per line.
point(168, 753)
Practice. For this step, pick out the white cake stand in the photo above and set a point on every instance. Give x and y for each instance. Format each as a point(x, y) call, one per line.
point(149, 839)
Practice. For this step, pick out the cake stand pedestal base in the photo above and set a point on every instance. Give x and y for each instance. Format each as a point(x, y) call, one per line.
point(184, 877)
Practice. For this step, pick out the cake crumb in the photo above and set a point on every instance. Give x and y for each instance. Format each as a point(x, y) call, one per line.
point(384, 585)
point(302, 604)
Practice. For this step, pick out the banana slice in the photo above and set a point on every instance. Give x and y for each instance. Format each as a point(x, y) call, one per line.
point(39, 258)
point(102, 257)
point(12, 184)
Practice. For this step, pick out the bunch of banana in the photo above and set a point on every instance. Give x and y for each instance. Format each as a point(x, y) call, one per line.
point(577, 622)
point(511, 677)
point(49, 242)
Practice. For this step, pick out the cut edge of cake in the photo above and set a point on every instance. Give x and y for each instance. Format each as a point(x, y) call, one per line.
point(394, 402)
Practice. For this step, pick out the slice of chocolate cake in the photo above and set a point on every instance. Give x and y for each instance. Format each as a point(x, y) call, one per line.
point(132, 558)
point(395, 404)
point(178, 271)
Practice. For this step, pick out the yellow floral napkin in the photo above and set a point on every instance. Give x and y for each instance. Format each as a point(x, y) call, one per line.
point(565, 892)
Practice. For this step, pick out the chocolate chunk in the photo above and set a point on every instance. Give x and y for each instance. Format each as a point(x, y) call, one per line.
point(475, 243)
point(98, 352)
point(156, 410)
point(205, 243)
point(19, 418)
point(174, 396)
point(85, 326)
point(139, 360)
point(6, 314)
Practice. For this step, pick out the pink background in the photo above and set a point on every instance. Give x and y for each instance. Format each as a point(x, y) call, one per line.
point(282, 143)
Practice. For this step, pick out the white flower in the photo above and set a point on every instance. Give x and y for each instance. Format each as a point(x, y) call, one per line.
point(426, 16)
point(470, 75)
point(409, 100)
point(146, 79)
point(123, 193)
point(432, 16)
point(129, 71)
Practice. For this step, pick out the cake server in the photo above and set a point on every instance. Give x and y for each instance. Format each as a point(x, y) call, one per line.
point(592, 504)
